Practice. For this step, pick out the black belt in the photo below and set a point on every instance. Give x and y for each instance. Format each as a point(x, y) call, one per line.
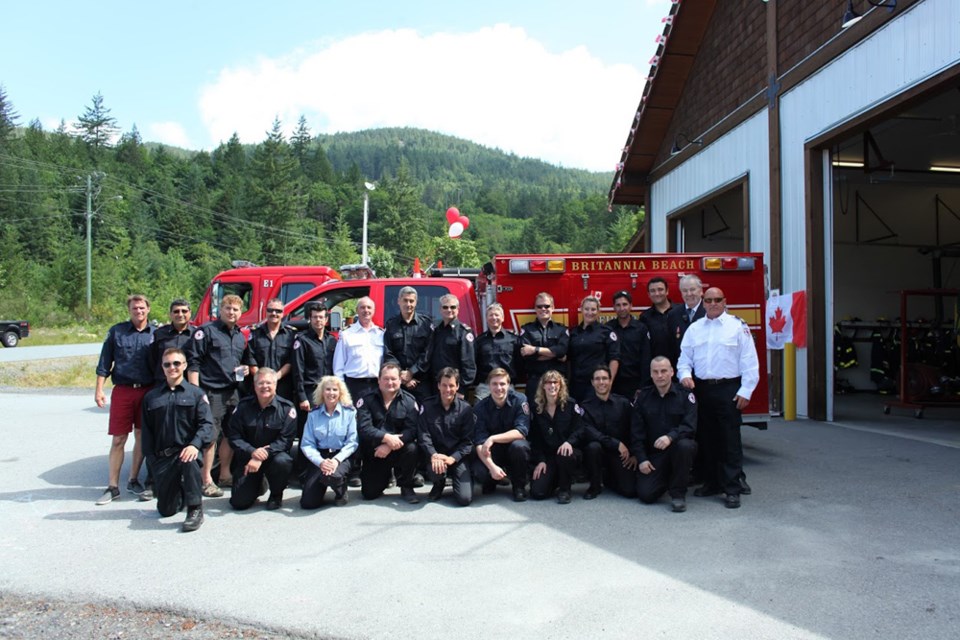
point(328, 453)
point(136, 385)
point(169, 451)
point(716, 380)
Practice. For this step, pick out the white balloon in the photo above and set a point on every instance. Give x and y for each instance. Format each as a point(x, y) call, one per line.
point(455, 230)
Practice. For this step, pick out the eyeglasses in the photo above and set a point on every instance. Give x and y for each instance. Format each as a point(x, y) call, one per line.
point(180, 311)
point(712, 300)
point(176, 364)
point(277, 311)
point(447, 307)
point(548, 383)
point(544, 306)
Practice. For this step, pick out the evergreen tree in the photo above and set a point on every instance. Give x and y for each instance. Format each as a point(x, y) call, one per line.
point(276, 197)
point(96, 126)
point(8, 118)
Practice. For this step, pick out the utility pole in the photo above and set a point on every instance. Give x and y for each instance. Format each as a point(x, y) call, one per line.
point(89, 240)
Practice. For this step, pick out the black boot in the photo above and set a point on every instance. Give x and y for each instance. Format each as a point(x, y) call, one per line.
point(194, 518)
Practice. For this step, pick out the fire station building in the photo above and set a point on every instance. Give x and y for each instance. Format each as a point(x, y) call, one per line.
point(825, 134)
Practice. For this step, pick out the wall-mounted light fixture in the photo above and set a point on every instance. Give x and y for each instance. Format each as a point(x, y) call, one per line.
point(681, 141)
point(851, 16)
point(944, 169)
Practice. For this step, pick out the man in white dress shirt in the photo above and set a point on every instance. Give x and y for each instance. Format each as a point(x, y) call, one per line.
point(718, 361)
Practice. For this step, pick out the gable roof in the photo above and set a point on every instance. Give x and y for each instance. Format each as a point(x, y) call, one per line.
point(679, 43)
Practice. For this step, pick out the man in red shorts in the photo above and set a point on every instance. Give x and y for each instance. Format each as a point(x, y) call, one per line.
point(125, 358)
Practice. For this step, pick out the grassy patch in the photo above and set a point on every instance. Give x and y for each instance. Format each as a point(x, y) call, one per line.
point(54, 372)
point(76, 334)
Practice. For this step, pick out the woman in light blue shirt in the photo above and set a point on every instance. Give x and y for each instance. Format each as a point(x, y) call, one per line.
point(329, 439)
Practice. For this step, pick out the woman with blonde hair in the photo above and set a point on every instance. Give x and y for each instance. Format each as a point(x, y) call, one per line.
point(556, 435)
point(591, 344)
point(329, 439)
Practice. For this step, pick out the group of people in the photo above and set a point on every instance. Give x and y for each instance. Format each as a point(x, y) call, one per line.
point(634, 405)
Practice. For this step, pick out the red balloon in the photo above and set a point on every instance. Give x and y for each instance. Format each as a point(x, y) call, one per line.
point(464, 220)
point(452, 214)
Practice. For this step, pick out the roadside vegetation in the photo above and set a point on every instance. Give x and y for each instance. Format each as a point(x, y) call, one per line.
point(76, 372)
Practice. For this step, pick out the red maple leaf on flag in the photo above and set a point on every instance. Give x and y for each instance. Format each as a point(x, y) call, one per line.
point(778, 321)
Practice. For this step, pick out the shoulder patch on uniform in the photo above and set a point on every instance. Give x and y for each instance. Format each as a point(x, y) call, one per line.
point(358, 403)
point(613, 336)
point(469, 337)
point(692, 399)
point(433, 327)
point(198, 335)
point(416, 405)
point(746, 329)
point(292, 413)
point(577, 408)
point(567, 331)
point(296, 343)
point(205, 399)
point(526, 408)
point(420, 410)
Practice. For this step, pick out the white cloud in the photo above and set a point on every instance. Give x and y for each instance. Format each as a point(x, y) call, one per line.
point(496, 86)
point(171, 133)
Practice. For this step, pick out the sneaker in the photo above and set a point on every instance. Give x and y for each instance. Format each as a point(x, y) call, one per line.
point(194, 518)
point(678, 505)
point(134, 487)
point(111, 494)
point(212, 491)
point(146, 495)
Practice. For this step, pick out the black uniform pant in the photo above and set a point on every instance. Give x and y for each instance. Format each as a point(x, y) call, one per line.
point(316, 482)
point(558, 475)
point(176, 483)
point(375, 474)
point(671, 471)
point(459, 473)
point(246, 487)
point(514, 458)
point(718, 425)
point(604, 468)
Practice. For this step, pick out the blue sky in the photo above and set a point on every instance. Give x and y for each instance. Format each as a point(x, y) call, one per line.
point(556, 80)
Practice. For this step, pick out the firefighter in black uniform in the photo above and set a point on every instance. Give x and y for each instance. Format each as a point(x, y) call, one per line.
point(218, 360)
point(175, 335)
point(591, 344)
point(556, 438)
point(503, 423)
point(607, 457)
point(452, 344)
point(544, 343)
point(633, 337)
point(446, 432)
point(271, 345)
point(406, 341)
point(177, 426)
point(312, 360)
point(495, 348)
point(262, 429)
point(663, 427)
point(655, 317)
point(387, 428)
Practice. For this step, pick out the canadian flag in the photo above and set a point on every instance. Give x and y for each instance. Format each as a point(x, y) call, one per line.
point(787, 320)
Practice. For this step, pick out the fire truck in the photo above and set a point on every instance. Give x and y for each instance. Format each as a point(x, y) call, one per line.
point(515, 280)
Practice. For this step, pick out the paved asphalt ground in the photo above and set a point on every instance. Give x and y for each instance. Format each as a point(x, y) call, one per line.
point(849, 534)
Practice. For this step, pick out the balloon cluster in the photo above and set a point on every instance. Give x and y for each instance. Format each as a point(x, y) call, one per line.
point(457, 222)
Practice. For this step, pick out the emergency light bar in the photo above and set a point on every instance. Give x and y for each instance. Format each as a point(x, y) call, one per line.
point(537, 266)
point(729, 264)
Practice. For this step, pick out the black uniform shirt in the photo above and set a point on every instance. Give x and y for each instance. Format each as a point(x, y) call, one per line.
point(500, 350)
point(374, 420)
point(491, 419)
point(452, 346)
point(312, 359)
point(253, 426)
point(607, 421)
point(167, 337)
point(634, 340)
point(272, 352)
point(674, 415)
point(175, 418)
point(408, 343)
point(660, 340)
point(447, 431)
point(215, 352)
point(590, 346)
point(125, 355)
point(554, 336)
point(548, 433)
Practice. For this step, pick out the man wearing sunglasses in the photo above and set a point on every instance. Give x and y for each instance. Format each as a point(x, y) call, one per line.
point(171, 336)
point(544, 343)
point(452, 344)
point(271, 345)
point(177, 428)
point(718, 362)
